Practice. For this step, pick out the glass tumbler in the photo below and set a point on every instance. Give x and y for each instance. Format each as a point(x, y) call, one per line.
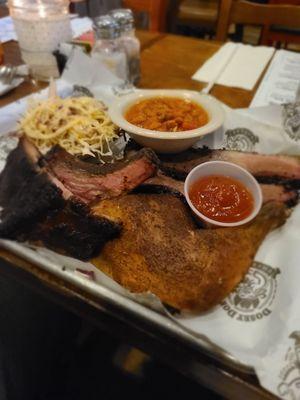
point(40, 26)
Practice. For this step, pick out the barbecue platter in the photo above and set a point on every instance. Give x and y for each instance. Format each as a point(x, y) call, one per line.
point(130, 218)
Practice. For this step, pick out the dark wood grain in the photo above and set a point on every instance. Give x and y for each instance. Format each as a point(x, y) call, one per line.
point(156, 10)
point(172, 61)
point(251, 13)
point(167, 61)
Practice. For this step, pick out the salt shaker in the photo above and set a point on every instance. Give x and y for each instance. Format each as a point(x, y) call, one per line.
point(108, 48)
point(129, 41)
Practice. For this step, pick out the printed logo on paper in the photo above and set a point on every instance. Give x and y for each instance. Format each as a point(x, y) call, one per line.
point(254, 296)
point(289, 387)
point(241, 139)
point(291, 120)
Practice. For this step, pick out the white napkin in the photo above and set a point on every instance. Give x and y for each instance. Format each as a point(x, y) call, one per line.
point(7, 30)
point(6, 87)
point(235, 64)
point(85, 70)
point(81, 25)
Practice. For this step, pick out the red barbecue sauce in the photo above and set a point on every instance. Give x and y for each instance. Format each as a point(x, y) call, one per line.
point(222, 198)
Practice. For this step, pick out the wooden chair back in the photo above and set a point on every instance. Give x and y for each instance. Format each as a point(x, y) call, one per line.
point(248, 13)
point(279, 37)
point(289, 2)
point(156, 10)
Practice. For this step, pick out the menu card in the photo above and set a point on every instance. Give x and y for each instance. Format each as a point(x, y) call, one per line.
point(281, 82)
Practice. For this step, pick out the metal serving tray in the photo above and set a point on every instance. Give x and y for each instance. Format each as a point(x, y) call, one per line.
point(164, 323)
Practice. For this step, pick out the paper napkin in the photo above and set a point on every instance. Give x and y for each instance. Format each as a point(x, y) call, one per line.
point(235, 65)
point(81, 25)
point(7, 30)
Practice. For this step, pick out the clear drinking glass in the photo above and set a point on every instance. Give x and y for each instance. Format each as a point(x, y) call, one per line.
point(40, 26)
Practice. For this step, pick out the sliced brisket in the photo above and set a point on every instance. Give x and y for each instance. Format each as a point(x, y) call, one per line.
point(37, 206)
point(89, 181)
point(162, 183)
point(275, 167)
point(75, 231)
point(25, 157)
point(27, 193)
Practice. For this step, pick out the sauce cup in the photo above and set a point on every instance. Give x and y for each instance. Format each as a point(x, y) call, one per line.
point(226, 169)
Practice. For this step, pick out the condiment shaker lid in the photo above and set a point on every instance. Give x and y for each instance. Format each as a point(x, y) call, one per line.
point(106, 27)
point(124, 17)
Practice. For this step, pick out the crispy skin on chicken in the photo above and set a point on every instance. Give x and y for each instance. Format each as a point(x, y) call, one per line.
point(161, 250)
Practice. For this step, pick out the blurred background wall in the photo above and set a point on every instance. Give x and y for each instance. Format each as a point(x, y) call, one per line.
point(96, 7)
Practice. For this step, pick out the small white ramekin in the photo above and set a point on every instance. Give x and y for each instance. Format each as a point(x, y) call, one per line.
point(226, 169)
point(167, 142)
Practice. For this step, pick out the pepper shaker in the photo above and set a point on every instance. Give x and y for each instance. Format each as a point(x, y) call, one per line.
point(129, 41)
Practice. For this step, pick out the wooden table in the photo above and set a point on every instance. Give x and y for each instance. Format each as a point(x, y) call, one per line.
point(168, 61)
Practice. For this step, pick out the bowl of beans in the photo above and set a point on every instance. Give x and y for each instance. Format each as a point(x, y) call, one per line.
point(168, 121)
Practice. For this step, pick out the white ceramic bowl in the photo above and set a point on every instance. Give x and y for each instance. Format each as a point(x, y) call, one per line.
point(167, 142)
point(226, 169)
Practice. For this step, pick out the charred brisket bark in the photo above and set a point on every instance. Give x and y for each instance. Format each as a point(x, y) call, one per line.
point(75, 231)
point(278, 168)
point(27, 193)
point(36, 206)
